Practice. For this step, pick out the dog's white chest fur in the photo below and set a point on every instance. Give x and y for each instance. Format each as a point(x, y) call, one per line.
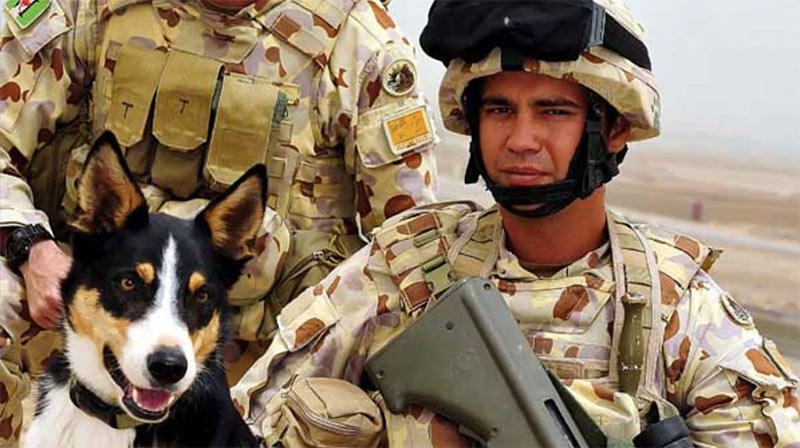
point(64, 425)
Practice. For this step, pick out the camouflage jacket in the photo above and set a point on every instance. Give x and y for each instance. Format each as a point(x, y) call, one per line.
point(332, 81)
point(741, 393)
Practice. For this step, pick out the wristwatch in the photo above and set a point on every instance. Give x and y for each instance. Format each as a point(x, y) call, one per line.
point(20, 241)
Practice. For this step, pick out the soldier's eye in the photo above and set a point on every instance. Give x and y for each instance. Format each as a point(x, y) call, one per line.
point(127, 284)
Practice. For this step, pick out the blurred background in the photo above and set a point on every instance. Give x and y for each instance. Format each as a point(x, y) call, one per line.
point(726, 168)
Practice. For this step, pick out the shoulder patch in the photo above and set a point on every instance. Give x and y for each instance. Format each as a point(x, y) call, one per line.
point(408, 130)
point(399, 78)
point(25, 12)
point(737, 313)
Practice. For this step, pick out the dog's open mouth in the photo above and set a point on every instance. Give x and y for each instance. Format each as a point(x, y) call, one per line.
point(150, 405)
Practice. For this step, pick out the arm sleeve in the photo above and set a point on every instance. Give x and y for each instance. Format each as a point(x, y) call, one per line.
point(380, 114)
point(731, 385)
point(319, 334)
point(41, 87)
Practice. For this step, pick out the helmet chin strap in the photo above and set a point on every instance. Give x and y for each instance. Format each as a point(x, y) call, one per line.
point(590, 168)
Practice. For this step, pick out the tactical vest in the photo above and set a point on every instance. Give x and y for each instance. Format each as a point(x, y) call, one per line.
point(429, 248)
point(196, 100)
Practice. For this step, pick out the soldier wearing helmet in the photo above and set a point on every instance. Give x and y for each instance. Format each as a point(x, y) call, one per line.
point(625, 315)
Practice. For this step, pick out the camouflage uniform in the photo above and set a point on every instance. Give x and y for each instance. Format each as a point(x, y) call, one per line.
point(741, 394)
point(316, 89)
point(645, 282)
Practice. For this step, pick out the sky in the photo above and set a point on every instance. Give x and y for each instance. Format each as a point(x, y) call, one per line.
point(728, 70)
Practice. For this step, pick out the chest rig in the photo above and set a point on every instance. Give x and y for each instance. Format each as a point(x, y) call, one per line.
point(428, 249)
point(195, 98)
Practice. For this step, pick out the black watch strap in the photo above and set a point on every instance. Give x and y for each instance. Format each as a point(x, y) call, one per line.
point(20, 241)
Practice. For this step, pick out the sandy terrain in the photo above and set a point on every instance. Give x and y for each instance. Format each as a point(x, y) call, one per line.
point(750, 208)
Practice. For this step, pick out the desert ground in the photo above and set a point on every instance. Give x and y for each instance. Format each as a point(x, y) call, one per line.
point(746, 205)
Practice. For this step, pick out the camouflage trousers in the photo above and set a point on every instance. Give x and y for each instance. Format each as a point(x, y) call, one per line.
point(24, 349)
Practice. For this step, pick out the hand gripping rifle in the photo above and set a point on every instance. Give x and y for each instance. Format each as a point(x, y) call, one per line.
point(466, 359)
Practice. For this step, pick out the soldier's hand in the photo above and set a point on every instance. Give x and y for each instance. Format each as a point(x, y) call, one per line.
point(47, 265)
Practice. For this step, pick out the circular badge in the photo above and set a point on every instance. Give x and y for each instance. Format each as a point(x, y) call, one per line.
point(399, 78)
point(736, 311)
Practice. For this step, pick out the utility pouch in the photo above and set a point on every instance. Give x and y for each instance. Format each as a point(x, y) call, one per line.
point(136, 77)
point(181, 119)
point(177, 171)
point(248, 108)
point(328, 412)
point(313, 255)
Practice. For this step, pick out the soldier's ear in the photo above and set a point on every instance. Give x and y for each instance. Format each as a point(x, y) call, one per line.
point(108, 197)
point(618, 134)
point(234, 218)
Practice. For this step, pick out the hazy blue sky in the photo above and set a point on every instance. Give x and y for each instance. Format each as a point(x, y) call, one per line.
point(729, 70)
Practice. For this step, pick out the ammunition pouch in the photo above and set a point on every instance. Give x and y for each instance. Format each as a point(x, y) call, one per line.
point(327, 412)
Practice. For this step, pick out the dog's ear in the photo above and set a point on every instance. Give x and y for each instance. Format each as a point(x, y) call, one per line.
point(234, 218)
point(108, 197)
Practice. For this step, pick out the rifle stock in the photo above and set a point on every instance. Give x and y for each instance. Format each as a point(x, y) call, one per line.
point(466, 359)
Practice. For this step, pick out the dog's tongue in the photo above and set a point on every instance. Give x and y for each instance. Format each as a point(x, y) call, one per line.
point(151, 399)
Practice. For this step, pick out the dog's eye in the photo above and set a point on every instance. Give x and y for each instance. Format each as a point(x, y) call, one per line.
point(201, 296)
point(127, 284)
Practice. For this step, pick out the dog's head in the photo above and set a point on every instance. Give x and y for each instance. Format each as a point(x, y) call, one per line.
point(145, 296)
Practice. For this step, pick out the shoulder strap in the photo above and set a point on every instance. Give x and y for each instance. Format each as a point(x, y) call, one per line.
point(416, 245)
point(656, 264)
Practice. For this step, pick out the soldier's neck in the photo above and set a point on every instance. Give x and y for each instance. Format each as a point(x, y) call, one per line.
point(561, 238)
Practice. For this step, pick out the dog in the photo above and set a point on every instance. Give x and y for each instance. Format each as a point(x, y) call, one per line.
point(145, 316)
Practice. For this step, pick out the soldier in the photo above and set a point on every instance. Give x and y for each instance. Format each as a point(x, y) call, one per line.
point(625, 315)
point(323, 91)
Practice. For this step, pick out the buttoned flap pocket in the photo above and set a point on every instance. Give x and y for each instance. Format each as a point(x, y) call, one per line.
point(183, 103)
point(306, 317)
point(386, 134)
point(136, 77)
point(330, 412)
point(247, 109)
point(32, 33)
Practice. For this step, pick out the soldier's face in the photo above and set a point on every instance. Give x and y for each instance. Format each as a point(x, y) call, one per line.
point(530, 127)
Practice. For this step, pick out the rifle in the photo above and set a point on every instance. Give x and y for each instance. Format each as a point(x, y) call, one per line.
point(467, 360)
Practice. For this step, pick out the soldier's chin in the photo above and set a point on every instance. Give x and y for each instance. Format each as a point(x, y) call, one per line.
point(524, 208)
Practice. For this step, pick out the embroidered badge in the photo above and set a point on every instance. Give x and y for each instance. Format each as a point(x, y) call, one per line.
point(736, 311)
point(25, 12)
point(408, 130)
point(399, 77)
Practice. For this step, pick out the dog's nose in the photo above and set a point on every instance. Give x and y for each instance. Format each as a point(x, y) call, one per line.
point(167, 365)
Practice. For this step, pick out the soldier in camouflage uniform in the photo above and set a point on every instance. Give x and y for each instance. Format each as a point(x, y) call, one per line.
point(322, 91)
point(625, 315)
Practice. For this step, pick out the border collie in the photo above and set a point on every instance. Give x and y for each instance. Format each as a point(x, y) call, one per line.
point(145, 316)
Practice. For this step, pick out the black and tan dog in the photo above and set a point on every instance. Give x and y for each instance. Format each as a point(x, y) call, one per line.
point(146, 318)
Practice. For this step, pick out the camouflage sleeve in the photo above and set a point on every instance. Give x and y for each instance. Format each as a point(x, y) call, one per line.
point(731, 385)
point(41, 87)
point(319, 335)
point(381, 115)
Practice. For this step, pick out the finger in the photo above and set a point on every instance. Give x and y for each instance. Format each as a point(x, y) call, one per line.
point(43, 319)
